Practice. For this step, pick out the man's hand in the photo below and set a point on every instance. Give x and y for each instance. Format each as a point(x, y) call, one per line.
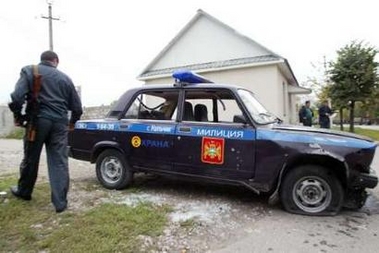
point(16, 122)
point(19, 120)
point(71, 127)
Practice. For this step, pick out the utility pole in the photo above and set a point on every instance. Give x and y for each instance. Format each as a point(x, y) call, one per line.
point(50, 18)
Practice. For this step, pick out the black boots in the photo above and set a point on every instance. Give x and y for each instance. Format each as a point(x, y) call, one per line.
point(16, 193)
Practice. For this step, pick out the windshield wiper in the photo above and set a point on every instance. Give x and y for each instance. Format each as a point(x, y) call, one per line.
point(265, 114)
point(279, 121)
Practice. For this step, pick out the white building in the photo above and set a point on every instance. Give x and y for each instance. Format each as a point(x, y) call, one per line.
point(213, 49)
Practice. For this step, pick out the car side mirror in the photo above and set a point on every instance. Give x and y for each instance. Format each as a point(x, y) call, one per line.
point(239, 119)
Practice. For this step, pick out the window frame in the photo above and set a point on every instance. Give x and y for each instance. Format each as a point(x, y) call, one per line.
point(215, 111)
point(146, 92)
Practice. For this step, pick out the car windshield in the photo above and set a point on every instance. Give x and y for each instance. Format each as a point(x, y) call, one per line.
point(257, 111)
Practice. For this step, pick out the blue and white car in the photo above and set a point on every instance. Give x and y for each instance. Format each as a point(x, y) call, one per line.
point(220, 133)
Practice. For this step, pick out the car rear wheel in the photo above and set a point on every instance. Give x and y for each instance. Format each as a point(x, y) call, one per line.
point(311, 190)
point(112, 170)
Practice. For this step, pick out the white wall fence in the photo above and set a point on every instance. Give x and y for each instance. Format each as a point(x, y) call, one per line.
point(6, 120)
point(6, 116)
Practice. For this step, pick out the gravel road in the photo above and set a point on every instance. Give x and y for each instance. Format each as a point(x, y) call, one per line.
point(221, 219)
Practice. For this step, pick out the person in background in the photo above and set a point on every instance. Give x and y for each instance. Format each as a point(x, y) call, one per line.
point(306, 114)
point(52, 98)
point(324, 115)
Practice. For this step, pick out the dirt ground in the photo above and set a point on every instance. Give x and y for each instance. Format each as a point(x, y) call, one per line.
point(211, 218)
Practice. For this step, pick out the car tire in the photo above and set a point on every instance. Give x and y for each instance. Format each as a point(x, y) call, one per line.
point(112, 170)
point(311, 190)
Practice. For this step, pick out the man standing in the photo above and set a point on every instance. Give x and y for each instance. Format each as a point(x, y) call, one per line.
point(49, 94)
point(324, 115)
point(306, 114)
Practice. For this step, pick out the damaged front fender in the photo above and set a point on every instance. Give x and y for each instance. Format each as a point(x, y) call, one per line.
point(315, 155)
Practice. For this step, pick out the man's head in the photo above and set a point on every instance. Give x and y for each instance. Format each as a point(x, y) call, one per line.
point(307, 103)
point(51, 57)
point(325, 103)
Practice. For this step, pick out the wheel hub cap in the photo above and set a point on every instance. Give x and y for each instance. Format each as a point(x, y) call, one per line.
point(312, 194)
point(111, 169)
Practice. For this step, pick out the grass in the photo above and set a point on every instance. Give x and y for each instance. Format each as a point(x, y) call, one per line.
point(33, 226)
point(17, 133)
point(373, 134)
point(18, 217)
point(107, 228)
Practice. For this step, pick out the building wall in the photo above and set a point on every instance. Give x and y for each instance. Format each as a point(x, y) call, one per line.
point(294, 101)
point(283, 98)
point(260, 80)
point(198, 45)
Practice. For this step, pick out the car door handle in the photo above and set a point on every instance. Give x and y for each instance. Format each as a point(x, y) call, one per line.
point(184, 129)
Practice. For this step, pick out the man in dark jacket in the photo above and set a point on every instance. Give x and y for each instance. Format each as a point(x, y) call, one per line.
point(57, 96)
point(306, 114)
point(324, 115)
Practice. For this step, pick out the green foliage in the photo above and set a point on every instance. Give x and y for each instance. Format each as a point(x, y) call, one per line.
point(324, 93)
point(33, 226)
point(354, 76)
point(17, 133)
point(107, 228)
point(373, 134)
point(354, 73)
point(18, 218)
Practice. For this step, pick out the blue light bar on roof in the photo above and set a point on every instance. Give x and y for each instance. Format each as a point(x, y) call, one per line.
point(186, 76)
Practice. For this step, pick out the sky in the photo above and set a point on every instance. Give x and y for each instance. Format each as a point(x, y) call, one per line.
point(103, 45)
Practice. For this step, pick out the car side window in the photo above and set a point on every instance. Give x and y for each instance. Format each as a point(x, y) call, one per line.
point(198, 110)
point(211, 106)
point(153, 105)
point(227, 110)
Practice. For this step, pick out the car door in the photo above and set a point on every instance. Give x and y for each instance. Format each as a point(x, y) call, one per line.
point(210, 140)
point(149, 128)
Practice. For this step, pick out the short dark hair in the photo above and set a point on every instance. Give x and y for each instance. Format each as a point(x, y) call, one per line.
point(49, 56)
point(307, 102)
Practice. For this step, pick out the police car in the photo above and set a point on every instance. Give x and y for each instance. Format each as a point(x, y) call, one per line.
point(220, 133)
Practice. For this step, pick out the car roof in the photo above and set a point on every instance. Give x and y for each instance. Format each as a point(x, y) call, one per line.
point(188, 86)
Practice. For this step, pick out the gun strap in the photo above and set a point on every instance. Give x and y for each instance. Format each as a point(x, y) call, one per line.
point(36, 82)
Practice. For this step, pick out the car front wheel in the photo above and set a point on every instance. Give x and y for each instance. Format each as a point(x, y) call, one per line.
point(112, 170)
point(311, 190)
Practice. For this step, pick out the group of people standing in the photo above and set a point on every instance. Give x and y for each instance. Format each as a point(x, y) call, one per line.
point(306, 114)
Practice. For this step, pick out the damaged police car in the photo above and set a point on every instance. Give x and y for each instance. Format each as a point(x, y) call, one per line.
point(220, 133)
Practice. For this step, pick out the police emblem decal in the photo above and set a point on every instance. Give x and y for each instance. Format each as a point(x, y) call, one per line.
point(212, 150)
point(136, 141)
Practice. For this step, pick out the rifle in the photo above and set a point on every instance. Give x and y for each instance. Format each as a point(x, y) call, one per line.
point(33, 105)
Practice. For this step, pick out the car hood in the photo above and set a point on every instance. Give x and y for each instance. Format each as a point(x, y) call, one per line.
point(320, 131)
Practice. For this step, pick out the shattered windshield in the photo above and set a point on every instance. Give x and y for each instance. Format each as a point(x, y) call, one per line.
point(257, 111)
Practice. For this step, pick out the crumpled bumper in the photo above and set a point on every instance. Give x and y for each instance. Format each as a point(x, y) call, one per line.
point(365, 180)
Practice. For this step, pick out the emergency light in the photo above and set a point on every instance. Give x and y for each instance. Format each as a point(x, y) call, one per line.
point(186, 76)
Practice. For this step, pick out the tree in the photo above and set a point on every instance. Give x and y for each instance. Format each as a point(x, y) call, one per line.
point(353, 75)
